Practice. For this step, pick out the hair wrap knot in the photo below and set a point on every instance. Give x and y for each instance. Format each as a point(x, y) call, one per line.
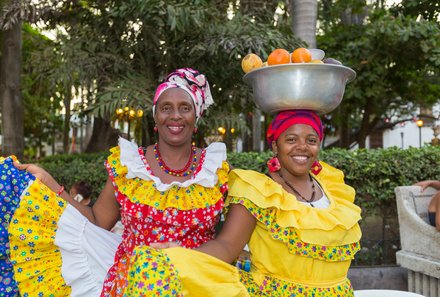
point(191, 81)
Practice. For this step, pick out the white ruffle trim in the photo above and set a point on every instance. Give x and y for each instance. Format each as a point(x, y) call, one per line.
point(87, 252)
point(207, 176)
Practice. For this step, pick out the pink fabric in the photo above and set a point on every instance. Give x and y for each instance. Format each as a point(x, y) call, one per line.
point(287, 118)
point(193, 82)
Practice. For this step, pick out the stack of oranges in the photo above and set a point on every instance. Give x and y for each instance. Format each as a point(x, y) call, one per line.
point(276, 57)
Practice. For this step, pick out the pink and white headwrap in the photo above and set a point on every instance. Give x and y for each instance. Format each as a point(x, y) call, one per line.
point(193, 82)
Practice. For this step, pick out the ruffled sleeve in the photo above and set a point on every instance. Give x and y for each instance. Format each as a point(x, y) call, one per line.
point(201, 197)
point(291, 221)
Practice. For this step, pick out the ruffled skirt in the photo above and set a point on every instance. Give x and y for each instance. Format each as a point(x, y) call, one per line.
point(48, 247)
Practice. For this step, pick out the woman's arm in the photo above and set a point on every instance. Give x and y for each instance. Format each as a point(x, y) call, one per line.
point(429, 183)
point(234, 235)
point(105, 211)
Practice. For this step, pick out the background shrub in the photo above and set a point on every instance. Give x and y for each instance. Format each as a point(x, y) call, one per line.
point(68, 169)
point(374, 173)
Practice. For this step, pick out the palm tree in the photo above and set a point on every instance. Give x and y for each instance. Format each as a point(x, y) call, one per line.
point(304, 14)
point(10, 95)
point(13, 13)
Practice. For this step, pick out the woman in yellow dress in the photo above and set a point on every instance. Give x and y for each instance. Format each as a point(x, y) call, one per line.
point(300, 221)
point(306, 231)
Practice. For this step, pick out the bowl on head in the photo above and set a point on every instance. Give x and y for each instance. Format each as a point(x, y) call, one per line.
point(318, 87)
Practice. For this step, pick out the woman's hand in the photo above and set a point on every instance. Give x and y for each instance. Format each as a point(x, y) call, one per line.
point(40, 174)
point(164, 245)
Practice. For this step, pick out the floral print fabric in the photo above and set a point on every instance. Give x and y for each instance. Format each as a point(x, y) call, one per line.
point(29, 216)
point(12, 184)
point(186, 215)
point(289, 236)
point(313, 247)
point(152, 274)
point(275, 287)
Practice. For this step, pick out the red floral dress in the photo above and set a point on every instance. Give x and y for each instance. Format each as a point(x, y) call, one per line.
point(152, 211)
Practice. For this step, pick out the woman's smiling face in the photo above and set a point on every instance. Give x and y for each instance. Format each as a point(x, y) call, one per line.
point(175, 116)
point(297, 149)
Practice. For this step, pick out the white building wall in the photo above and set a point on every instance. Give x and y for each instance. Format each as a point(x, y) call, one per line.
point(407, 136)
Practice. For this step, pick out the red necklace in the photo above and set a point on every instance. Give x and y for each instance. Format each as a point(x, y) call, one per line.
point(185, 171)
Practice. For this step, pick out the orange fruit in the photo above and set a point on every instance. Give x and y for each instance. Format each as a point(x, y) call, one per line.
point(250, 62)
point(301, 55)
point(278, 56)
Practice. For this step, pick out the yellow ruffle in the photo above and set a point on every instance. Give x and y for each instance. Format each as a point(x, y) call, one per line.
point(271, 286)
point(144, 192)
point(312, 224)
point(13, 157)
point(35, 257)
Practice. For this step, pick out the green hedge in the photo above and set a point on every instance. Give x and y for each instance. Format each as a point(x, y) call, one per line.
point(373, 173)
point(68, 169)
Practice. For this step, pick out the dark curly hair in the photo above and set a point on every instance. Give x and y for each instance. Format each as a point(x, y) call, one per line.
point(83, 188)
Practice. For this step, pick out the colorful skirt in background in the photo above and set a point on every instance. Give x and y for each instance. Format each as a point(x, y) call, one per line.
point(45, 244)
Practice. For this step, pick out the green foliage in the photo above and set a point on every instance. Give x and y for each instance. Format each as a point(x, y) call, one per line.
point(42, 120)
point(428, 9)
point(396, 55)
point(373, 173)
point(127, 47)
point(68, 169)
point(250, 160)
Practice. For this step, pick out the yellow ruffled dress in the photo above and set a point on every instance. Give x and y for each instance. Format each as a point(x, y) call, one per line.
point(298, 250)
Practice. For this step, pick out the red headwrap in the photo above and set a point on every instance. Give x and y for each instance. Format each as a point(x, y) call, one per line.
point(287, 118)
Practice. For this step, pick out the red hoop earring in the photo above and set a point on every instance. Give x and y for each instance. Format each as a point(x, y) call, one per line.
point(273, 164)
point(155, 129)
point(195, 130)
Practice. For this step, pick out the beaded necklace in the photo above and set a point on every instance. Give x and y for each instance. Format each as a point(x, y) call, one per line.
point(312, 198)
point(185, 171)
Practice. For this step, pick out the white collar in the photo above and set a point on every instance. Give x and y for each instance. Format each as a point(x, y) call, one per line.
point(207, 176)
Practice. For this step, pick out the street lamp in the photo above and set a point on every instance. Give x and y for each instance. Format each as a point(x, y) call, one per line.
point(420, 125)
point(221, 130)
point(401, 138)
point(128, 114)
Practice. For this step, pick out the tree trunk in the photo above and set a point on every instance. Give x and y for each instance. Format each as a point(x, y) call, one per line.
point(256, 130)
point(10, 93)
point(304, 14)
point(66, 128)
point(364, 129)
point(103, 136)
point(344, 129)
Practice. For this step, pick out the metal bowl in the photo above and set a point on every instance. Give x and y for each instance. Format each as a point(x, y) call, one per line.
point(318, 87)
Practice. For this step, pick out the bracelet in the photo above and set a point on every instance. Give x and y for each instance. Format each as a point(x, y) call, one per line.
point(60, 191)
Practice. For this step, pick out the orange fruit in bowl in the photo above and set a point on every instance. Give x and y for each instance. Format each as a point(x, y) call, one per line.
point(251, 62)
point(301, 55)
point(278, 56)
